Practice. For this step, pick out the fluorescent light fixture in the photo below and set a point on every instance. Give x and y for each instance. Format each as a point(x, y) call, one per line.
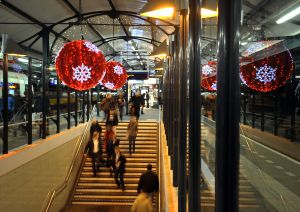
point(23, 60)
point(158, 9)
point(160, 13)
point(51, 68)
point(297, 77)
point(166, 8)
point(207, 13)
point(289, 16)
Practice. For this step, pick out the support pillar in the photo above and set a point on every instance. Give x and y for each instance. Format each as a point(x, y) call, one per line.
point(228, 106)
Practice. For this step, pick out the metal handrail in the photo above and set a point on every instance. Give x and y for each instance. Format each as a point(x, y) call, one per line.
point(271, 117)
point(60, 188)
point(36, 120)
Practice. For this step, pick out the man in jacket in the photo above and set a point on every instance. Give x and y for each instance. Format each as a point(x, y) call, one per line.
point(148, 182)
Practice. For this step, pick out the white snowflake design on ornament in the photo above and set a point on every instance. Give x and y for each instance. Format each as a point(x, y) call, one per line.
point(214, 86)
point(109, 85)
point(206, 70)
point(118, 70)
point(91, 47)
point(266, 74)
point(82, 73)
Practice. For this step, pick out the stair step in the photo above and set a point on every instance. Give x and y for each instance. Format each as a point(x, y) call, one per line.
point(130, 164)
point(102, 203)
point(128, 169)
point(106, 180)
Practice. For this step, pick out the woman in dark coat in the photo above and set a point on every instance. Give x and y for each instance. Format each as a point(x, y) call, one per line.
point(120, 162)
point(95, 151)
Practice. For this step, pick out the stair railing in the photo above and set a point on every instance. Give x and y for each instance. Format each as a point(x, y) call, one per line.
point(80, 142)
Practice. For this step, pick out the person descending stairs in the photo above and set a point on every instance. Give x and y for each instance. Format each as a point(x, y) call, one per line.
point(101, 189)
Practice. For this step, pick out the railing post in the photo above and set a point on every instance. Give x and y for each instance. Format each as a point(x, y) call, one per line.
point(262, 120)
point(29, 102)
point(276, 114)
point(228, 106)
point(58, 105)
point(69, 108)
point(76, 108)
point(45, 80)
point(253, 111)
point(5, 103)
point(245, 108)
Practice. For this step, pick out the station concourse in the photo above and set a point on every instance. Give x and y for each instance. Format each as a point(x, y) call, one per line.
point(202, 96)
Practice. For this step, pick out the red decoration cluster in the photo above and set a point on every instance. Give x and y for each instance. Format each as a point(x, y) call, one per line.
point(282, 62)
point(80, 65)
point(208, 82)
point(115, 77)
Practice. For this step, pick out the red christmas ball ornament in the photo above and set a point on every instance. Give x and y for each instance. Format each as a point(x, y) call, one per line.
point(269, 73)
point(209, 83)
point(80, 65)
point(115, 77)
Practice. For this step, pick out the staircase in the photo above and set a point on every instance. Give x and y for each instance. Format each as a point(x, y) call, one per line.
point(102, 190)
point(249, 199)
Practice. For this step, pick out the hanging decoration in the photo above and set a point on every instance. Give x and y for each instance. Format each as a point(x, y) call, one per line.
point(269, 73)
point(209, 69)
point(209, 83)
point(80, 65)
point(115, 76)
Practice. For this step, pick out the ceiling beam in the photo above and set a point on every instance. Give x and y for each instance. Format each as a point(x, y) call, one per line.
point(29, 17)
point(259, 8)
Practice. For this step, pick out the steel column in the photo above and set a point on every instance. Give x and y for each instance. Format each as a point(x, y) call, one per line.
point(174, 96)
point(182, 134)
point(69, 108)
point(58, 106)
point(45, 80)
point(5, 103)
point(228, 106)
point(194, 104)
point(29, 102)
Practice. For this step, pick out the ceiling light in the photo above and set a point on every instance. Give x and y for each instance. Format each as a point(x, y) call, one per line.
point(23, 60)
point(158, 9)
point(289, 16)
point(207, 13)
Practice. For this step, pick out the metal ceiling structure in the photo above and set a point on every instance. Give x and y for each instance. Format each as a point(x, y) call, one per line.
point(113, 30)
point(116, 27)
